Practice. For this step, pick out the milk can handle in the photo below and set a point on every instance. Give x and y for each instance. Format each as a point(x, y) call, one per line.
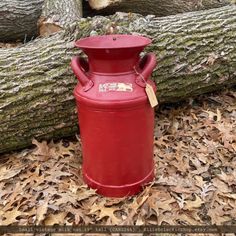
point(79, 66)
point(147, 65)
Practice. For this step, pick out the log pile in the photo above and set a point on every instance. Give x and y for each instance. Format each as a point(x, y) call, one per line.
point(196, 54)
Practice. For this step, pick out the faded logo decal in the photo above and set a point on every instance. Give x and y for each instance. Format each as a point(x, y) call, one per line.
point(119, 87)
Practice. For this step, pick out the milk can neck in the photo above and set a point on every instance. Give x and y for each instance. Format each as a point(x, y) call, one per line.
point(110, 61)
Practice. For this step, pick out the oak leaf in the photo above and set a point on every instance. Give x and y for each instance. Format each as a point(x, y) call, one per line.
point(214, 116)
point(188, 219)
point(166, 217)
point(63, 150)
point(206, 189)
point(9, 217)
point(42, 151)
point(55, 175)
point(101, 211)
point(181, 201)
point(48, 28)
point(229, 179)
point(53, 219)
point(221, 186)
point(79, 214)
point(199, 181)
point(229, 195)
point(218, 215)
point(9, 172)
point(192, 205)
point(41, 211)
point(65, 198)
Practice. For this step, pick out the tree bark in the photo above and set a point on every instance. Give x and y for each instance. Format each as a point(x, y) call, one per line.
point(18, 19)
point(62, 12)
point(196, 54)
point(155, 7)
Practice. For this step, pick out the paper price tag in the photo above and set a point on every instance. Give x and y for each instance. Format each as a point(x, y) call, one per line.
point(151, 95)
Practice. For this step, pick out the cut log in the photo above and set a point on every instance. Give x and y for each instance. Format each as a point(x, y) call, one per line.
point(18, 19)
point(196, 54)
point(57, 14)
point(155, 7)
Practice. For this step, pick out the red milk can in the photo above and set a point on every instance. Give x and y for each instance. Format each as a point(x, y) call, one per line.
point(115, 117)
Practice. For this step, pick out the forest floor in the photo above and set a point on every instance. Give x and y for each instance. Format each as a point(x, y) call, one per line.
point(195, 184)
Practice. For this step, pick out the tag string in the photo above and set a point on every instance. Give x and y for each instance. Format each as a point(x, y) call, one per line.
point(141, 76)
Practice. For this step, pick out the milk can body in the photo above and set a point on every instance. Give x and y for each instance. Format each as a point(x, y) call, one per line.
point(115, 117)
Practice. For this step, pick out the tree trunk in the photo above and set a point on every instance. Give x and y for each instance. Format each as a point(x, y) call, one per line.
point(196, 54)
point(155, 7)
point(18, 19)
point(57, 14)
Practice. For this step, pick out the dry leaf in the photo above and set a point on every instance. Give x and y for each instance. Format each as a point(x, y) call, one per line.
point(7, 173)
point(214, 116)
point(139, 221)
point(166, 217)
point(47, 27)
point(188, 219)
point(101, 211)
point(181, 201)
point(79, 215)
point(220, 185)
point(53, 219)
point(64, 198)
point(229, 195)
point(206, 189)
point(56, 175)
point(218, 215)
point(229, 179)
point(9, 217)
point(199, 181)
point(41, 211)
point(139, 201)
point(43, 151)
point(191, 205)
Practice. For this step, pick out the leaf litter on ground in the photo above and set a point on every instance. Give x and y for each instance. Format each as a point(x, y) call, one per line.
point(195, 183)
